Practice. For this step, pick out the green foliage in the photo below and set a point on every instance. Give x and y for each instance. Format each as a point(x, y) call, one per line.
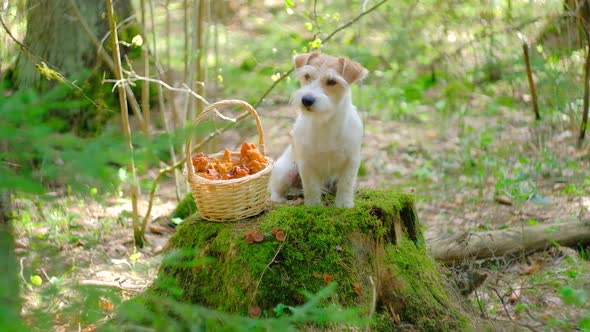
point(153, 313)
point(38, 149)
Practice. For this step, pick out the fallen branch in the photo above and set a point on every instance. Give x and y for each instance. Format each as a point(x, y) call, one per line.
point(117, 285)
point(468, 246)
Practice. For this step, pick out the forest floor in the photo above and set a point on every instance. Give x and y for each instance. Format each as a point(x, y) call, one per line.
point(455, 165)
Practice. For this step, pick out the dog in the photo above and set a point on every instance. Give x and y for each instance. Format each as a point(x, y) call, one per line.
point(327, 135)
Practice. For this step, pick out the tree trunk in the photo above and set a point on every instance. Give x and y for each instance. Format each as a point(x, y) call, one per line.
point(55, 36)
point(375, 253)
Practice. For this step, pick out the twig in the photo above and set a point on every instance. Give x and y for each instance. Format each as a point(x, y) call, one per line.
point(21, 272)
point(119, 26)
point(145, 88)
point(351, 22)
point(266, 268)
point(315, 17)
point(586, 87)
point(111, 284)
point(373, 303)
point(529, 75)
point(503, 303)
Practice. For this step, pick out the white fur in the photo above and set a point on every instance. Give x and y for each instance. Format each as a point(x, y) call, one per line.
point(327, 139)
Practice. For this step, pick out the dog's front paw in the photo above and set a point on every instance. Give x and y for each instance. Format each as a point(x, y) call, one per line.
point(344, 203)
point(313, 202)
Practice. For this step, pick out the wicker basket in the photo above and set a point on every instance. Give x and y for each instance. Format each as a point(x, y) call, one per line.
point(228, 200)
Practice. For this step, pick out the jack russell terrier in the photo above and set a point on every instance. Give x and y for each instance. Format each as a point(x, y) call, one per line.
point(328, 132)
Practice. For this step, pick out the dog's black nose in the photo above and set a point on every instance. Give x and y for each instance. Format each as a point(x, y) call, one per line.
point(307, 100)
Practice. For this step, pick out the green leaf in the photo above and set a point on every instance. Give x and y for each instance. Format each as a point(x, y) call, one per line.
point(316, 43)
point(572, 295)
point(36, 280)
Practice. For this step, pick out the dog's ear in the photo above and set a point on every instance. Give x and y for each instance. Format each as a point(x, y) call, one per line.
point(303, 59)
point(351, 71)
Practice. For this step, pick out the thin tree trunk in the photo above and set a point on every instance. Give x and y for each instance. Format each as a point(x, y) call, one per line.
point(138, 232)
point(145, 86)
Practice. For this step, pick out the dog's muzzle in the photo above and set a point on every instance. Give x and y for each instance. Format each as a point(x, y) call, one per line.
point(307, 100)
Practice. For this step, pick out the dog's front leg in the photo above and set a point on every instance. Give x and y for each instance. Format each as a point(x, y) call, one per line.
point(312, 185)
point(346, 185)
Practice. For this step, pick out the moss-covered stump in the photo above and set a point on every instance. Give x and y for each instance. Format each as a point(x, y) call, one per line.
point(375, 253)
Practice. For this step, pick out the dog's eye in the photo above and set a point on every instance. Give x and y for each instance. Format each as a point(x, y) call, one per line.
point(307, 77)
point(330, 82)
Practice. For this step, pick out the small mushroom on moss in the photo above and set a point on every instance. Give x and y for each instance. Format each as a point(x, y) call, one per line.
point(254, 311)
point(249, 236)
point(274, 230)
point(280, 236)
point(328, 278)
point(258, 236)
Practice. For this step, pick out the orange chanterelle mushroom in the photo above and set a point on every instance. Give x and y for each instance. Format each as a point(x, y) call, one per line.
point(251, 161)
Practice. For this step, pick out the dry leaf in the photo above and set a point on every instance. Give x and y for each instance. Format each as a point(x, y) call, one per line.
point(106, 305)
point(358, 290)
point(503, 199)
point(89, 328)
point(531, 269)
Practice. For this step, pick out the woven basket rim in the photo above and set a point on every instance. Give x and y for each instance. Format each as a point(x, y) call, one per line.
point(190, 172)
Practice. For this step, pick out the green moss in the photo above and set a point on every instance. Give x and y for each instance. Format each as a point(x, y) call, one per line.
point(425, 299)
point(185, 208)
point(322, 244)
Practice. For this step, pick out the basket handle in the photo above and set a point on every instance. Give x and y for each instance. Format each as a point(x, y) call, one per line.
point(213, 107)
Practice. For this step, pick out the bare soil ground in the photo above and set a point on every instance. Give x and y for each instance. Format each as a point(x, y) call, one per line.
point(91, 241)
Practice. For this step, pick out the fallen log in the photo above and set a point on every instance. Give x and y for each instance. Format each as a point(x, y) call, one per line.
point(465, 246)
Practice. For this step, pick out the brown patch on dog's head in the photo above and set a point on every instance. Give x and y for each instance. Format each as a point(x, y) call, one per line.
point(350, 70)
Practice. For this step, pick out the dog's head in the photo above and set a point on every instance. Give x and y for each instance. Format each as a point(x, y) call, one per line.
point(325, 81)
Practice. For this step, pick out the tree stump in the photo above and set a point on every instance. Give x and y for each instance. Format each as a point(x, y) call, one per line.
point(375, 253)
